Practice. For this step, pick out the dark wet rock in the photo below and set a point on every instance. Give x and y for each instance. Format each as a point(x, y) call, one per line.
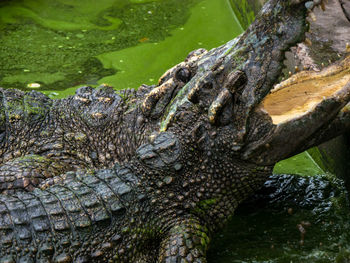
point(293, 191)
point(292, 218)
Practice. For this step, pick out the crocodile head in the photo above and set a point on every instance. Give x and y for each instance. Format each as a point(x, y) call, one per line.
point(236, 91)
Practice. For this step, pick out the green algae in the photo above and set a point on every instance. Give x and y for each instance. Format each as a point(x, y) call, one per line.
point(244, 11)
point(36, 52)
point(73, 43)
point(58, 15)
point(25, 77)
point(325, 162)
point(142, 1)
point(147, 62)
point(63, 14)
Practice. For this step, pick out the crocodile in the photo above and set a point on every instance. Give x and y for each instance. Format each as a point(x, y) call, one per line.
point(151, 175)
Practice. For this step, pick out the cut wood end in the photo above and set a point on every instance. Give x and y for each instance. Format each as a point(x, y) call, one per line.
point(302, 92)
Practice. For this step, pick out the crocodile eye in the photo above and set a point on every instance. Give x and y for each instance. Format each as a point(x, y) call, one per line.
point(98, 115)
point(105, 99)
point(82, 100)
point(99, 104)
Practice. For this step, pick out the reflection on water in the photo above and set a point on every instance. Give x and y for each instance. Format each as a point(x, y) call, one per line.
point(292, 219)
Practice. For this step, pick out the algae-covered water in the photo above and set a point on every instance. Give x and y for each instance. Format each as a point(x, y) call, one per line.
point(55, 46)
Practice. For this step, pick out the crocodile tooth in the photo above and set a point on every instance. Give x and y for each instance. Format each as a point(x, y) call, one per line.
point(104, 99)
point(310, 5)
point(312, 16)
point(308, 41)
point(97, 115)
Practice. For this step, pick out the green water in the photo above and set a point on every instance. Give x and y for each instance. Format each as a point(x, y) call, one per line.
point(59, 45)
point(302, 164)
point(62, 44)
point(265, 228)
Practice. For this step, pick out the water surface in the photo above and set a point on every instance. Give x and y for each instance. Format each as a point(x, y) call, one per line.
point(56, 46)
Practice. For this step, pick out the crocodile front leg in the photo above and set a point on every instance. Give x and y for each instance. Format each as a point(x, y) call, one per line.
point(186, 242)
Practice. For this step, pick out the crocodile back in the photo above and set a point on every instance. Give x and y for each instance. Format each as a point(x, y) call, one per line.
point(81, 217)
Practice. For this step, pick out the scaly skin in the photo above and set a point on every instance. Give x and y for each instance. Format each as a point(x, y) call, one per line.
point(187, 154)
point(92, 129)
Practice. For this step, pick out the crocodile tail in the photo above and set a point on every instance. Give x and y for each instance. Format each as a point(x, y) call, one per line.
point(79, 219)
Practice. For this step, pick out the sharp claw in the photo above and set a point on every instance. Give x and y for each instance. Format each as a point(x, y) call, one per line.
point(205, 84)
point(217, 106)
point(170, 73)
point(235, 80)
point(155, 95)
point(308, 42)
point(312, 16)
point(169, 84)
point(193, 95)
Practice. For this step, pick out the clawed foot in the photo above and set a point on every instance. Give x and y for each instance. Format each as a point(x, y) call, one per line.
point(220, 109)
point(169, 85)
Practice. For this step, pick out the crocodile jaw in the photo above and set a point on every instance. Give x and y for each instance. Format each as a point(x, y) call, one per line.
point(303, 111)
point(301, 93)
